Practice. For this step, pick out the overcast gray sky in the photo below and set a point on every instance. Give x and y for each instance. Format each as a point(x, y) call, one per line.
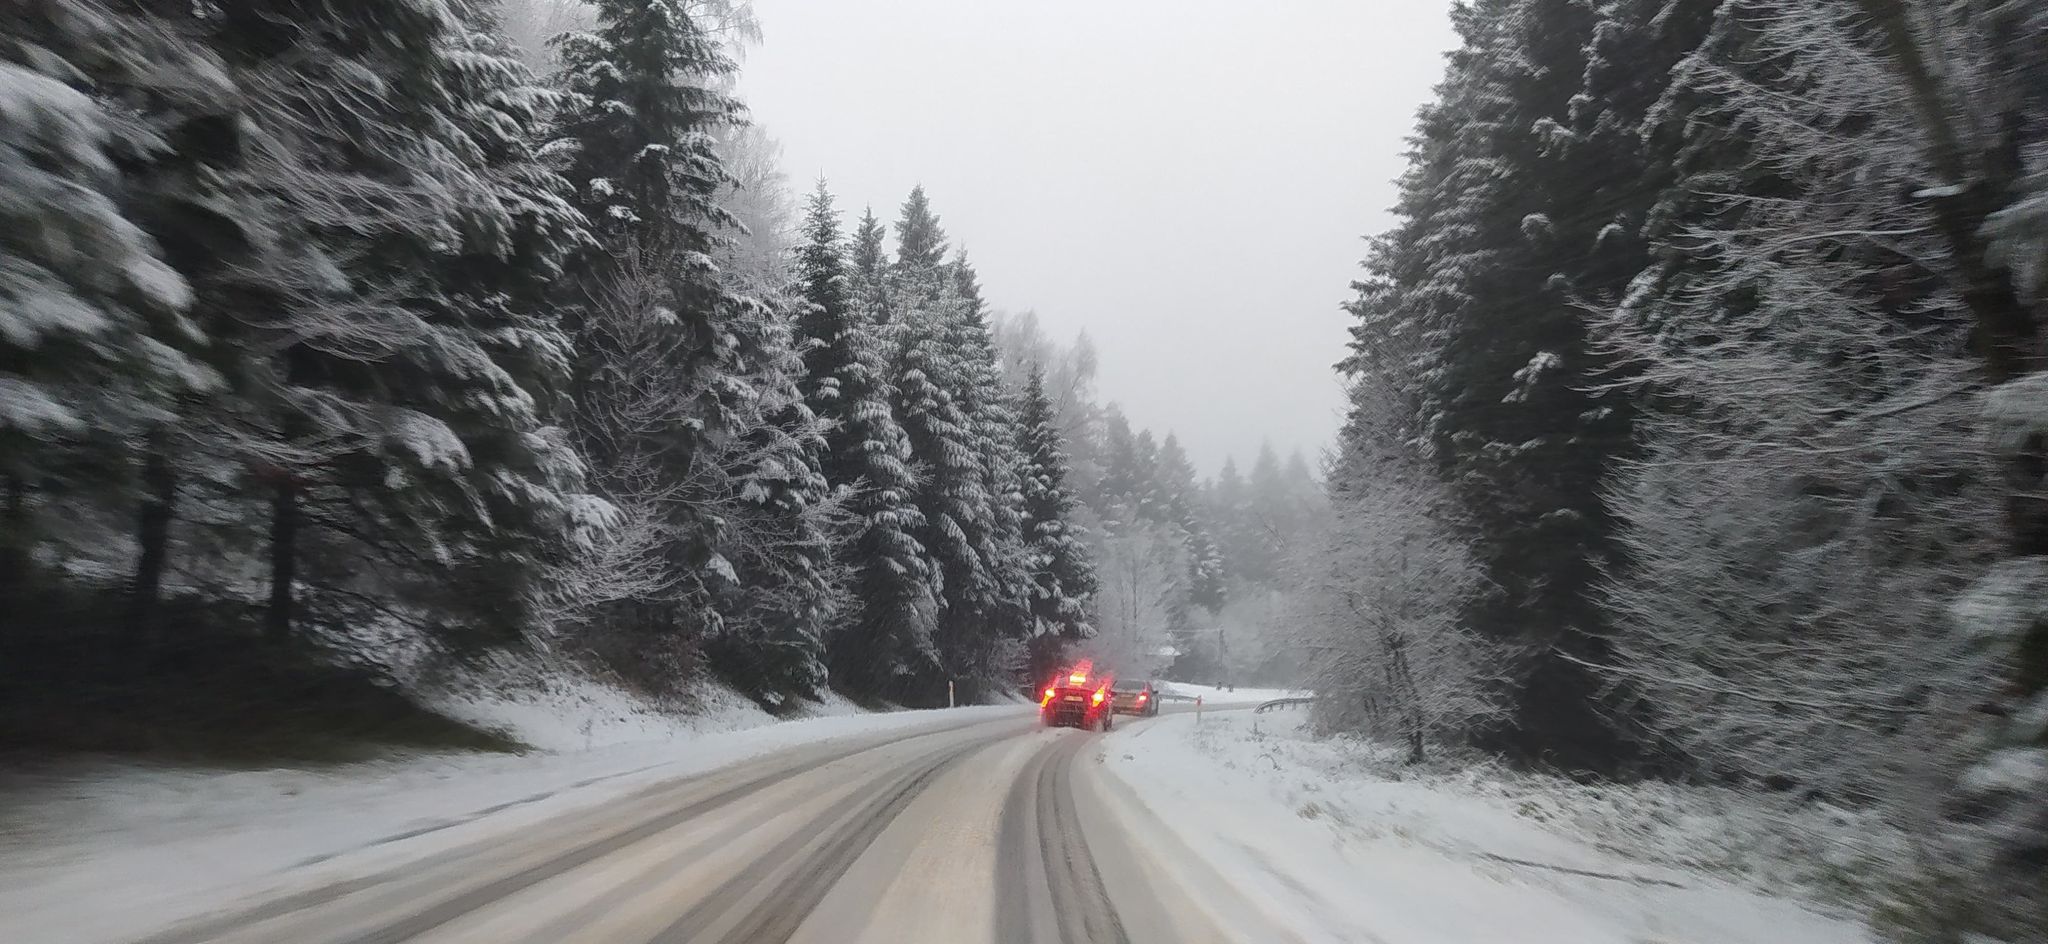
point(1188, 180)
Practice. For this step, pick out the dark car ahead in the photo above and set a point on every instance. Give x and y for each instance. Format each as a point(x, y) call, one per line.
point(1134, 698)
point(1076, 700)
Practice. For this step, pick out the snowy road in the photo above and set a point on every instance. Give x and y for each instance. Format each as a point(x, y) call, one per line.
point(986, 830)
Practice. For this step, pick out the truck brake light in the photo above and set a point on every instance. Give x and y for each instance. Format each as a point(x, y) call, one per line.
point(1098, 696)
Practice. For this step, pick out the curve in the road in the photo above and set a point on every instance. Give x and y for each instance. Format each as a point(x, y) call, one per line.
point(800, 845)
point(454, 871)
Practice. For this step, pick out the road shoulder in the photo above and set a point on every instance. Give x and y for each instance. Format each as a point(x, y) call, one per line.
point(110, 851)
point(1339, 855)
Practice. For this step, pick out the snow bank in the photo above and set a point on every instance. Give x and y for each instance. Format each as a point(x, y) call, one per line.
point(568, 711)
point(1211, 695)
point(1325, 847)
point(108, 850)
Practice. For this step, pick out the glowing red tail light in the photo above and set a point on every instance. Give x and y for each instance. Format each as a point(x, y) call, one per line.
point(1098, 696)
point(1142, 696)
point(1048, 695)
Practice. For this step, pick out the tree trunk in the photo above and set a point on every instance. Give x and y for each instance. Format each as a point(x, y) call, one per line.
point(153, 538)
point(1410, 695)
point(14, 540)
point(284, 532)
point(2007, 335)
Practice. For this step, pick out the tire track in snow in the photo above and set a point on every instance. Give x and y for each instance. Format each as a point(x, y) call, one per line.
point(1049, 889)
point(800, 870)
point(456, 866)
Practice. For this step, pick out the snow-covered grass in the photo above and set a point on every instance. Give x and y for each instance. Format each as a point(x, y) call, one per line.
point(105, 849)
point(1832, 857)
point(1341, 844)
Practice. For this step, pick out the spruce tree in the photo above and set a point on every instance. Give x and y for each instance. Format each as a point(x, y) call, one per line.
point(506, 514)
point(952, 496)
point(1207, 582)
point(1121, 485)
point(887, 635)
point(870, 266)
point(111, 217)
point(644, 88)
point(1267, 510)
point(1147, 499)
point(1062, 576)
point(951, 403)
point(782, 519)
point(988, 402)
point(774, 615)
point(1499, 254)
point(385, 337)
point(920, 242)
point(644, 97)
point(1226, 504)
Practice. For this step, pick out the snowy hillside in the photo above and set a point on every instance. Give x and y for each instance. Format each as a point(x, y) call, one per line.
point(562, 709)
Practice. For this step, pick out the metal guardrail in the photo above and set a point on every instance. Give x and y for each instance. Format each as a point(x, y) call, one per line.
point(1279, 703)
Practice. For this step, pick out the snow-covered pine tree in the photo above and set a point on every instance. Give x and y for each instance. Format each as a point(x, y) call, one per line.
point(886, 635)
point(350, 116)
point(920, 241)
point(384, 337)
point(110, 213)
point(988, 403)
point(637, 131)
point(1491, 266)
point(949, 401)
point(508, 513)
point(1268, 505)
point(1062, 574)
point(1118, 488)
point(782, 520)
point(655, 413)
point(950, 496)
point(779, 526)
point(1229, 512)
point(1147, 500)
point(869, 270)
point(1208, 585)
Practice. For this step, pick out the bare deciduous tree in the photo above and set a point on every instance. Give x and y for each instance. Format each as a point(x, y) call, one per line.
point(1380, 591)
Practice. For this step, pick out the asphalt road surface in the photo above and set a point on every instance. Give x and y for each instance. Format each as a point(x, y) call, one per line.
point(990, 831)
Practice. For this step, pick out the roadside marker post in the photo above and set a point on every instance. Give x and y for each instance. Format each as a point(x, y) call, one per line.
point(949, 694)
point(1198, 709)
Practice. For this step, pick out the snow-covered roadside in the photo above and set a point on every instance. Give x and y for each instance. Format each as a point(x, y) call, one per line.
point(564, 710)
point(108, 850)
point(1212, 695)
point(1334, 853)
